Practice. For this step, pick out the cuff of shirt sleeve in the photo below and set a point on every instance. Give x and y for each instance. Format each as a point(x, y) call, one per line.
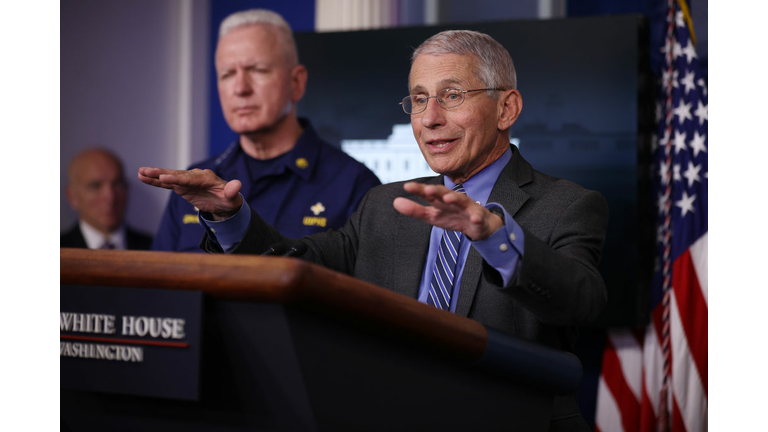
point(229, 231)
point(503, 250)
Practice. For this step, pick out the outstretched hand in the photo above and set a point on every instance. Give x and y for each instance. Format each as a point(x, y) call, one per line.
point(449, 210)
point(202, 188)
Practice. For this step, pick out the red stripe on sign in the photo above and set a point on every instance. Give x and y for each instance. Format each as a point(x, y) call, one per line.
point(694, 314)
point(127, 341)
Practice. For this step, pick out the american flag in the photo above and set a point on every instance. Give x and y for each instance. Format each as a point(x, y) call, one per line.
point(656, 378)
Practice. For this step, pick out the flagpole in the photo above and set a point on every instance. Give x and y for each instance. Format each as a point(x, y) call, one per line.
point(663, 415)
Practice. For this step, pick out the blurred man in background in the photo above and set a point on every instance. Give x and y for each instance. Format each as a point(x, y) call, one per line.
point(97, 190)
point(297, 182)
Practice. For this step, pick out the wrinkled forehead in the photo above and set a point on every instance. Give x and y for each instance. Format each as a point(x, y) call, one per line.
point(436, 72)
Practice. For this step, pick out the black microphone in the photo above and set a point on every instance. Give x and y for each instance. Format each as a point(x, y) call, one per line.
point(277, 249)
point(296, 250)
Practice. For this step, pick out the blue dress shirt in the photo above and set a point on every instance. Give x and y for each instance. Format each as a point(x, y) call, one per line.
point(502, 250)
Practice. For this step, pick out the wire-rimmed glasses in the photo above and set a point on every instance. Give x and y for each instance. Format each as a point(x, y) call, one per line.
point(447, 98)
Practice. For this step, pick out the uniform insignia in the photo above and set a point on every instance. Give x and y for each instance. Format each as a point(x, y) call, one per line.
point(302, 163)
point(317, 208)
point(190, 219)
point(314, 221)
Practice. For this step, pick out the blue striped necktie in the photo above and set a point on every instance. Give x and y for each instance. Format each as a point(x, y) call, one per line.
point(443, 274)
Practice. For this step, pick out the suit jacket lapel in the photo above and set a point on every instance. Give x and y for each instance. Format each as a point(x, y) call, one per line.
point(75, 239)
point(506, 191)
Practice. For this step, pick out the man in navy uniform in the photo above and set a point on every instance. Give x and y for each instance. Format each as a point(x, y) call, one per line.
point(97, 190)
point(297, 182)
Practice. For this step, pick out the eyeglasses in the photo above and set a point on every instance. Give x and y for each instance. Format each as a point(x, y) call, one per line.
point(446, 98)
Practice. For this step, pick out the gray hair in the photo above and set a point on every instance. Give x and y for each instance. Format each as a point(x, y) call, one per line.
point(494, 66)
point(263, 16)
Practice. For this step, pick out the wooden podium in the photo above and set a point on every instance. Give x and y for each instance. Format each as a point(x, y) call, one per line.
point(291, 346)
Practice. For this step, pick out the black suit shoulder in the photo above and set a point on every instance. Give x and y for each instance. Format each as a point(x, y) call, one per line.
point(73, 238)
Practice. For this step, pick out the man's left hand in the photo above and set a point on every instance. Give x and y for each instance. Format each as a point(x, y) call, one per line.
point(449, 210)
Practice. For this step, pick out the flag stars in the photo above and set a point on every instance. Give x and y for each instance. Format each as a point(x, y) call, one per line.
point(702, 113)
point(665, 77)
point(697, 143)
point(664, 140)
point(677, 50)
point(703, 86)
point(679, 19)
point(679, 141)
point(664, 172)
point(683, 112)
point(662, 202)
point(689, 52)
point(686, 203)
point(676, 172)
point(692, 173)
point(687, 82)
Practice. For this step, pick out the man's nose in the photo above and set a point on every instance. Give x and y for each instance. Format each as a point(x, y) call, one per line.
point(112, 192)
point(107, 193)
point(242, 84)
point(433, 115)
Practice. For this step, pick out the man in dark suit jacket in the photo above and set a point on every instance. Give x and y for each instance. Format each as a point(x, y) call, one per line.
point(527, 245)
point(98, 192)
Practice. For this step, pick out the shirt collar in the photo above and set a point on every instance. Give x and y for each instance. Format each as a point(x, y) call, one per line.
point(94, 239)
point(302, 158)
point(479, 186)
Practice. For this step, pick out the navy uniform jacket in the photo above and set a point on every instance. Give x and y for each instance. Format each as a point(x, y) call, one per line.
point(310, 189)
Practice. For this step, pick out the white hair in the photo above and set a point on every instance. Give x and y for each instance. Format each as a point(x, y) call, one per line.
point(494, 65)
point(263, 16)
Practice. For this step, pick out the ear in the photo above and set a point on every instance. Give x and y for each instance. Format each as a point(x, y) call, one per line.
point(298, 82)
point(72, 199)
point(510, 105)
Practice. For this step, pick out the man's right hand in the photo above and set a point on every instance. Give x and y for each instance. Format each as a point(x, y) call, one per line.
point(202, 188)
